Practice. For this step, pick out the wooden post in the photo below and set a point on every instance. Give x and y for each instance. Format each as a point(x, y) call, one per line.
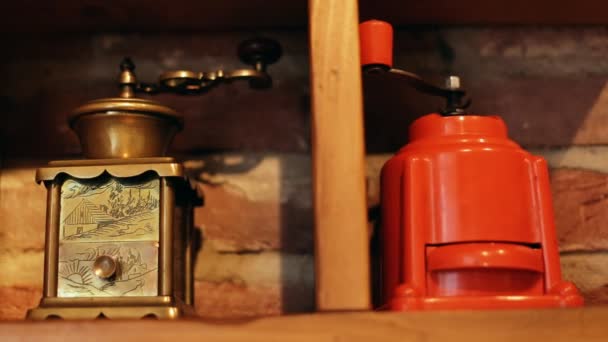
point(338, 155)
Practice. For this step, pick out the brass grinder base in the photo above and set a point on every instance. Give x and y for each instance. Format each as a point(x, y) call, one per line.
point(157, 308)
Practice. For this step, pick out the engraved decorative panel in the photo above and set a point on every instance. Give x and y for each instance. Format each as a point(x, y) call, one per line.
point(118, 218)
point(109, 211)
point(136, 275)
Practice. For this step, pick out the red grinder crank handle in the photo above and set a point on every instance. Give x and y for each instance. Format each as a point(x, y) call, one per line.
point(376, 45)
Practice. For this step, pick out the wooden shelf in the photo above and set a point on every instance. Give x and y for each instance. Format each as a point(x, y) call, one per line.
point(587, 324)
point(154, 15)
point(467, 12)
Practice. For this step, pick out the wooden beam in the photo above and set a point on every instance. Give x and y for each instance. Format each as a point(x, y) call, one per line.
point(467, 12)
point(341, 237)
point(587, 324)
point(30, 16)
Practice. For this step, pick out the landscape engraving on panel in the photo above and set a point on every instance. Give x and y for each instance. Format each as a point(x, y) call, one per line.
point(136, 275)
point(114, 218)
point(112, 211)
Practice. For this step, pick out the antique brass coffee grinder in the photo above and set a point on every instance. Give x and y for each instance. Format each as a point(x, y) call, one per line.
point(119, 234)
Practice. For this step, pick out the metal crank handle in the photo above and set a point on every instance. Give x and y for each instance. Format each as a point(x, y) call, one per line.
point(377, 60)
point(257, 52)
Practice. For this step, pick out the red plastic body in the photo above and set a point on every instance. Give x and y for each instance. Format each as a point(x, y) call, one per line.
point(467, 221)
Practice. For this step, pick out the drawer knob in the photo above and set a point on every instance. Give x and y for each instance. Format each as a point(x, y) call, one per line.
point(104, 267)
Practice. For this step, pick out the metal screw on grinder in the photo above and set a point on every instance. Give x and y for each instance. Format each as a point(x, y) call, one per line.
point(454, 105)
point(452, 82)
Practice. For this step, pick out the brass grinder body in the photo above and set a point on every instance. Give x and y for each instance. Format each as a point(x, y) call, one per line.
point(119, 234)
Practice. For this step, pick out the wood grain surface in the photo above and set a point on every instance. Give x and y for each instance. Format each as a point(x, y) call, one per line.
point(557, 325)
point(155, 15)
point(338, 158)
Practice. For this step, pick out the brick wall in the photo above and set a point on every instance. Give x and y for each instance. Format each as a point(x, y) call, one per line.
point(256, 259)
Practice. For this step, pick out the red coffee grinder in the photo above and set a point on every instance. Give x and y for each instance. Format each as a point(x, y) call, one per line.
point(467, 219)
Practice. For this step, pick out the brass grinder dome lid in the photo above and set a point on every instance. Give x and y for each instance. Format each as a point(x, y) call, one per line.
point(117, 105)
point(125, 127)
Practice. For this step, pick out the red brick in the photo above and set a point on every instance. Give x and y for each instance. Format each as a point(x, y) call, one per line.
point(15, 301)
point(580, 199)
point(232, 222)
point(22, 210)
point(588, 271)
point(227, 300)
